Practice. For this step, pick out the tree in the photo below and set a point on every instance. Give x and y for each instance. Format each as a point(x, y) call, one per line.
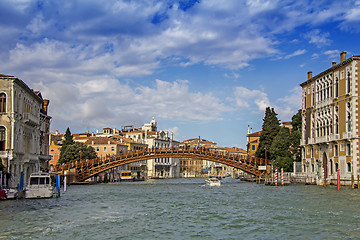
point(270, 129)
point(68, 141)
point(295, 136)
point(75, 151)
point(279, 150)
point(68, 138)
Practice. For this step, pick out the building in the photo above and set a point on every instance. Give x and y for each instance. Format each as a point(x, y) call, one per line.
point(253, 140)
point(149, 135)
point(24, 130)
point(196, 167)
point(106, 146)
point(330, 118)
point(54, 152)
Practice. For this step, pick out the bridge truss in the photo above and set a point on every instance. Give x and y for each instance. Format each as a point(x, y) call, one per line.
point(88, 168)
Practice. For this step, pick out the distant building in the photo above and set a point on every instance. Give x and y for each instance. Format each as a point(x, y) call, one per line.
point(253, 140)
point(330, 118)
point(54, 152)
point(24, 130)
point(106, 146)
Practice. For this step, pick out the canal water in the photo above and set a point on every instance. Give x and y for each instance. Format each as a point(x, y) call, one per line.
point(186, 209)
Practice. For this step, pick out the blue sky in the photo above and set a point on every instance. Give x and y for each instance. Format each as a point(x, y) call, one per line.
point(201, 68)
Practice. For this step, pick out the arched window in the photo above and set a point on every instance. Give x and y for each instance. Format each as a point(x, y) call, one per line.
point(348, 166)
point(348, 83)
point(336, 88)
point(2, 103)
point(331, 166)
point(2, 138)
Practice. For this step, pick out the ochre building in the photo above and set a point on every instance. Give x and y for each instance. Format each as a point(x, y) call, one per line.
point(330, 118)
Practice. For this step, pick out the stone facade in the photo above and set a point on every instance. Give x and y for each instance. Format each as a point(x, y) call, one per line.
point(330, 131)
point(24, 130)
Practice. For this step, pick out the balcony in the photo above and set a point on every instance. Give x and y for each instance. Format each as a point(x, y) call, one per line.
point(347, 135)
point(30, 119)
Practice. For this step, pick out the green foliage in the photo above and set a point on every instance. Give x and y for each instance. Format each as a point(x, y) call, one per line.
point(71, 153)
point(295, 136)
point(68, 138)
point(279, 150)
point(270, 129)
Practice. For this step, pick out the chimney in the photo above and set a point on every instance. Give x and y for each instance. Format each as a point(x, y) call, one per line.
point(309, 74)
point(333, 63)
point(46, 104)
point(172, 136)
point(343, 56)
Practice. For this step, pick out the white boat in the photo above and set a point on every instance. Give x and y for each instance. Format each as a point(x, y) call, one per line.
point(39, 186)
point(212, 182)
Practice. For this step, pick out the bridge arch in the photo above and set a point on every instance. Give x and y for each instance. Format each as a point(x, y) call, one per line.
point(88, 168)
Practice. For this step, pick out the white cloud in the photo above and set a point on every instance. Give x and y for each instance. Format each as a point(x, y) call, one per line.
point(246, 98)
point(258, 101)
point(332, 53)
point(320, 39)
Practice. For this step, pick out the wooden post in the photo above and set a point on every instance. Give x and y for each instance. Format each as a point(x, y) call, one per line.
point(352, 181)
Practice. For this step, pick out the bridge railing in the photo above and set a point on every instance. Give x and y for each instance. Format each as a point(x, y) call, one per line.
point(90, 163)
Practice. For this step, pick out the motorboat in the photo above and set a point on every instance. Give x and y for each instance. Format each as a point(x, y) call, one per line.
point(213, 182)
point(39, 186)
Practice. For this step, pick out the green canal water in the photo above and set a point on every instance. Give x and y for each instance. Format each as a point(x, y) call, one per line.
point(186, 209)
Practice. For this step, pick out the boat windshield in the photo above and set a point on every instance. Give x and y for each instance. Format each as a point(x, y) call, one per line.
point(39, 180)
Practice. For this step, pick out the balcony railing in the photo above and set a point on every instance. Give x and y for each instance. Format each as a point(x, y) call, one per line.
point(328, 138)
point(31, 119)
point(347, 135)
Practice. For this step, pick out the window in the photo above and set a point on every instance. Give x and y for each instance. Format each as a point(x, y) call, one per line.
point(2, 138)
point(336, 166)
point(97, 149)
point(104, 149)
point(2, 102)
point(348, 83)
point(331, 166)
point(348, 149)
point(342, 147)
point(253, 147)
point(349, 166)
point(312, 152)
point(336, 150)
point(336, 88)
point(112, 148)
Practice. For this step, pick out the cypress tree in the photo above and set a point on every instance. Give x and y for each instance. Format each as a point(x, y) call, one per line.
point(68, 138)
point(68, 141)
point(295, 136)
point(270, 129)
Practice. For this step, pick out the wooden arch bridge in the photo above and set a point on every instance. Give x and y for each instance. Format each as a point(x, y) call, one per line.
point(88, 168)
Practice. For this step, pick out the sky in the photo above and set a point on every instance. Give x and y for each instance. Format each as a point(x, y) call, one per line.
point(205, 68)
